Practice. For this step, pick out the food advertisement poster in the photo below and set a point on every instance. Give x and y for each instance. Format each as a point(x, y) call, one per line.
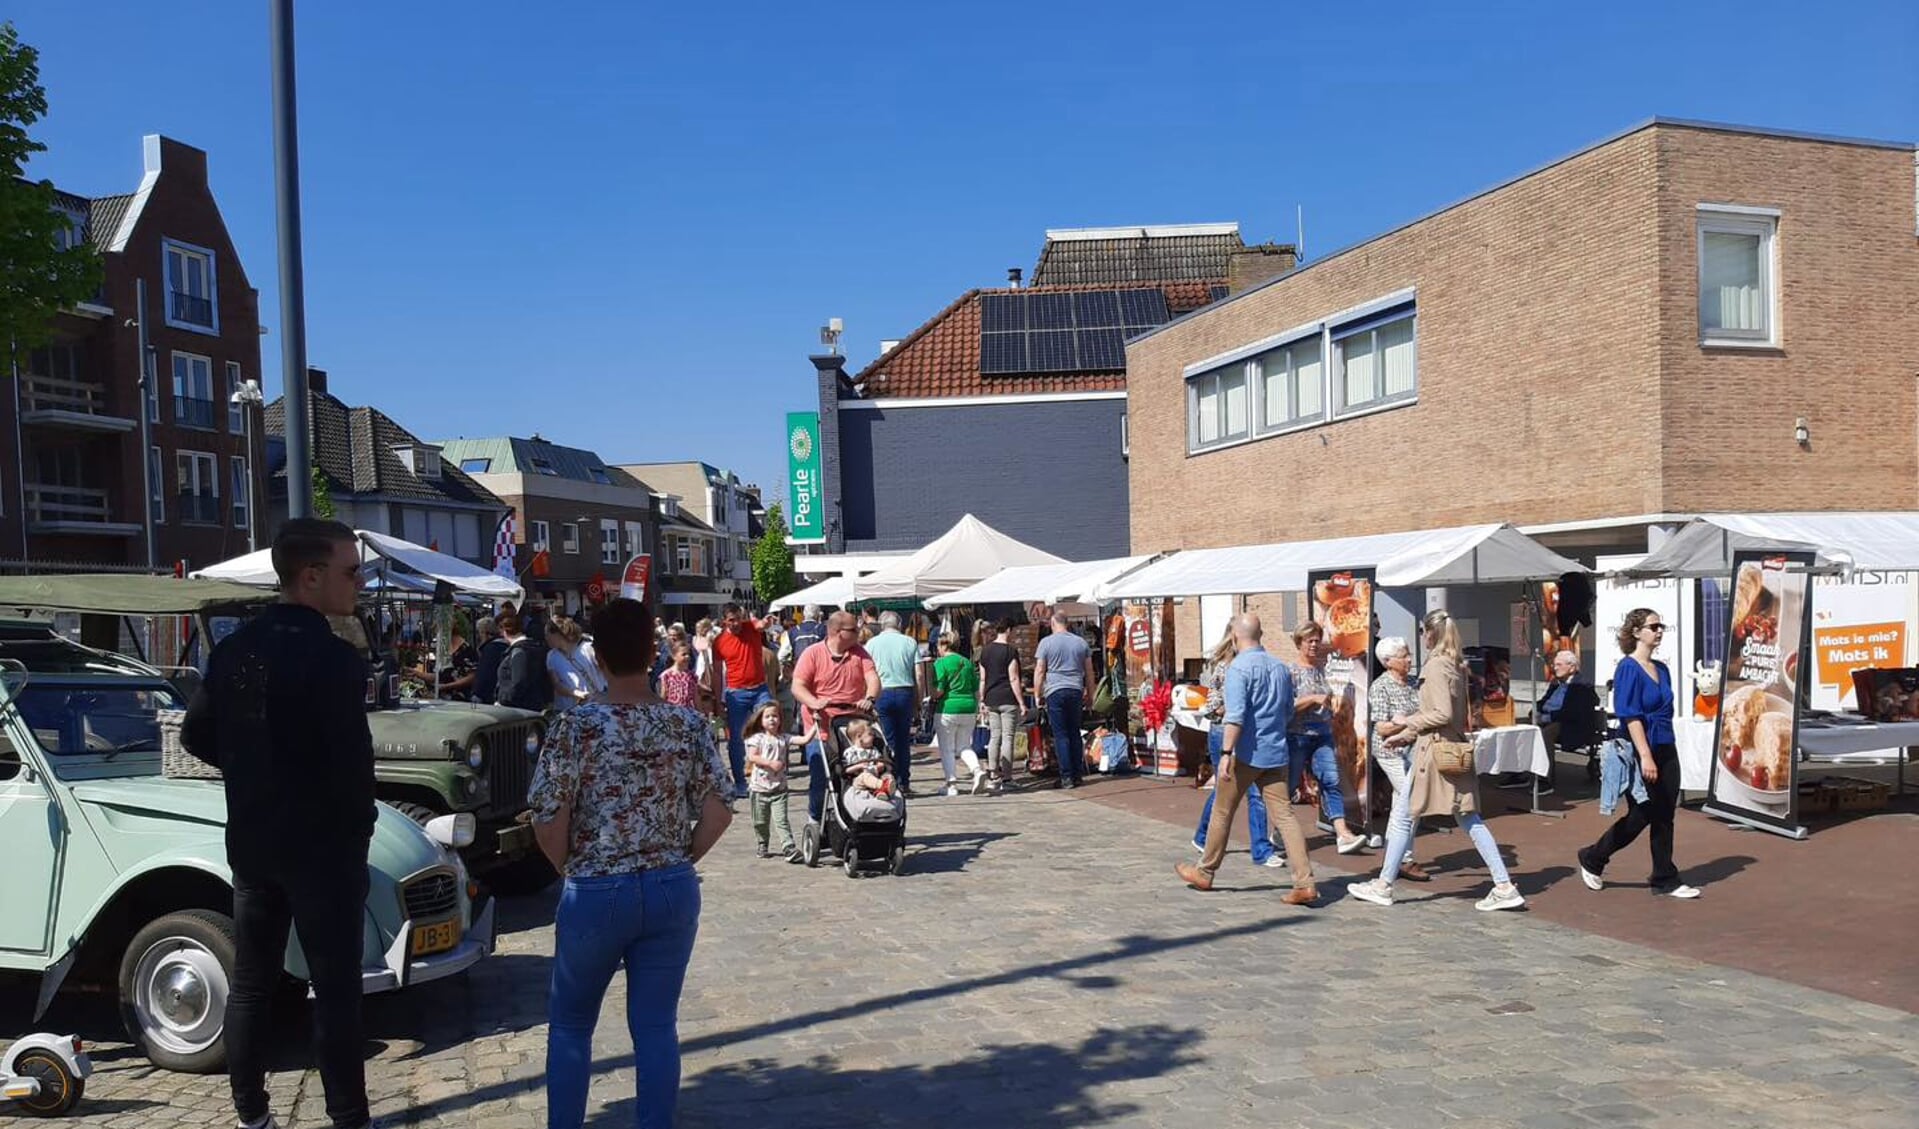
point(1753, 769)
point(1342, 605)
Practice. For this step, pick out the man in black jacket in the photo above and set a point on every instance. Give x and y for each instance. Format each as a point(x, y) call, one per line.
point(282, 713)
point(523, 680)
point(486, 677)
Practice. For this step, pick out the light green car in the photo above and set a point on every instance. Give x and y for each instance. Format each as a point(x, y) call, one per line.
point(117, 874)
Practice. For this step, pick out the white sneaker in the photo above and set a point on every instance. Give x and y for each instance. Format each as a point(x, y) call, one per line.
point(1682, 891)
point(951, 789)
point(1375, 841)
point(1502, 897)
point(979, 781)
point(1592, 881)
point(1376, 892)
point(1274, 862)
point(1350, 846)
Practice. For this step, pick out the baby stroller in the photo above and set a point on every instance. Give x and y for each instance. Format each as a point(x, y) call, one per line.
point(864, 847)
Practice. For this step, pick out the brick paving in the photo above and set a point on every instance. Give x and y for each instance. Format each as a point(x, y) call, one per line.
point(1039, 966)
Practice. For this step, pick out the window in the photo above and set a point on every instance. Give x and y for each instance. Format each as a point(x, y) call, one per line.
point(539, 535)
point(719, 507)
point(543, 465)
point(236, 412)
point(63, 360)
point(156, 485)
point(242, 493)
point(570, 538)
point(413, 526)
point(153, 397)
point(1736, 276)
point(683, 555)
point(609, 541)
point(439, 532)
point(1373, 359)
point(197, 485)
point(1291, 385)
point(1218, 406)
point(427, 463)
point(193, 391)
point(1125, 438)
point(599, 475)
point(635, 540)
point(192, 298)
point(476, 466)
point(466, 536)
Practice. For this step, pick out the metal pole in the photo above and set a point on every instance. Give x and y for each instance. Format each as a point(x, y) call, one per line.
point(148, 394)
point(293, 335)
point(247, 412)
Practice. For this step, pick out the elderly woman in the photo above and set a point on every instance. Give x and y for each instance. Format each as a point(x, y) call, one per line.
point(1442, 715)
point(1392, 699)
point(628, 794)
point(1311, 732)
point(1257, 829)
point(570, 664)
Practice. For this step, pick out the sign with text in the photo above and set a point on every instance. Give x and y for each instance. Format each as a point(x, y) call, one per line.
point(1866, 620)
point(1754, 766)
point(634, 578)
point(805, 480)
point(1341, 602)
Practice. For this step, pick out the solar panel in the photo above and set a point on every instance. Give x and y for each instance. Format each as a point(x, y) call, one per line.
point(1051, 350)
point(1049, 311)
point(1218, 293)
point(1143, 308)
point(1000, 313)
point(1102, 349)
point(1095, 309)
point(1002, 352)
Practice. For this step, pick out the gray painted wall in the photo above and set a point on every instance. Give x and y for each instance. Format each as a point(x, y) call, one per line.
point(1049, 474)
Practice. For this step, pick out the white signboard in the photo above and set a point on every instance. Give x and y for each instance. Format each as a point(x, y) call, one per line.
point(1674, 600)
point(1867, 619)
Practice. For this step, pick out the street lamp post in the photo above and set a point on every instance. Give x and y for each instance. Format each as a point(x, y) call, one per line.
point(250, 399)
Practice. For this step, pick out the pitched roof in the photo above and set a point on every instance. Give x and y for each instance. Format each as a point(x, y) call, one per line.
point(506, 454)
point(1110, 256)
point(355, 449)
point(104, 216)
point(942, 357)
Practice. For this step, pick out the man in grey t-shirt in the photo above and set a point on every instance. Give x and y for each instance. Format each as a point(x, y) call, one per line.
point(1062, 673)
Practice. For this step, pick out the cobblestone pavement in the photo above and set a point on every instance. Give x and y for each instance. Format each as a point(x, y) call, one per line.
point(1038, 965)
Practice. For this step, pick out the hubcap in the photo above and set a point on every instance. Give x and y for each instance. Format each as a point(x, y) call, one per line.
point(180, 995)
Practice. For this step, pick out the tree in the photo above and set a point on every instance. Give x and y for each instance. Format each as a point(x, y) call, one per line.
point(38, 278)
point(772, 559)
point(322, 495)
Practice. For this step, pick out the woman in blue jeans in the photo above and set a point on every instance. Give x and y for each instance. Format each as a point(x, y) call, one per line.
point(1311, 734)
point(629, 793)
point(1214, 679)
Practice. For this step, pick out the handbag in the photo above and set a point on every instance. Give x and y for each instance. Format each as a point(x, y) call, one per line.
point(1111, 690)
point(1453, 758)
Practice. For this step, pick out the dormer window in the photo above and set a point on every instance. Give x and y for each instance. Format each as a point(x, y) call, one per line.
point(599, 475)
point(543, 465)
point(421, 459)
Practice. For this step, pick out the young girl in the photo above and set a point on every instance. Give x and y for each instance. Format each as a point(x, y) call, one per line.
point(678, 684)
point(766, 783)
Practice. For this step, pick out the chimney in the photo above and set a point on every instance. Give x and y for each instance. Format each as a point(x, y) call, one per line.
point(1013, 275)
point(888, 346)
point(1250, 266)
point(316, 381)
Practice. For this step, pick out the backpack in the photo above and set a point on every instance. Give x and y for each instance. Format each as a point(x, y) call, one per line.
point(523, 682)
point(800, 636)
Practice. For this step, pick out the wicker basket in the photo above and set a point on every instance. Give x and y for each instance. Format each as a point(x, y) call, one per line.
point(175, 762)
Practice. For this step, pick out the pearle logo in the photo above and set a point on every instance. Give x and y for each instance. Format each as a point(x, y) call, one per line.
point(801, 444)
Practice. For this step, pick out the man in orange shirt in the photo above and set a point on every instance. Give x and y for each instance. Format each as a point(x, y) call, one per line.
point(739, 679)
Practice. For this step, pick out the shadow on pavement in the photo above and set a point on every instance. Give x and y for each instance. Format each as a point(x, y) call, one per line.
point(948, 852)
point(1026, 1084)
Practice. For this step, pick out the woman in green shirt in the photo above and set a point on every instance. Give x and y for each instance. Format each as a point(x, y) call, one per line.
point(956, 684)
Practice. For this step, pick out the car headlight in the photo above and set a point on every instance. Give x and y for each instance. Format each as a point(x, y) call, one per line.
point(475, 754)
point(533, 738)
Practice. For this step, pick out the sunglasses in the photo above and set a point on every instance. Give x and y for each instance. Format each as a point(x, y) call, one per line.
point(1655, 627)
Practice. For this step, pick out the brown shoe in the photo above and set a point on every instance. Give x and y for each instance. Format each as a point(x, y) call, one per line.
point(1193, 876)
point(1301, 896)
point(1413, 872)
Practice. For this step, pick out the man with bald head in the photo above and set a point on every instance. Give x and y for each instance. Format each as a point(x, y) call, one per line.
point(1062, 675)
point(1259, 708)
point(838, 672)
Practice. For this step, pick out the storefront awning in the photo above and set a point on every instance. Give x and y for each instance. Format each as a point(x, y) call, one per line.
point(833, 592)
point(1887, 540)
point(1072, 582)
point(1474, 554)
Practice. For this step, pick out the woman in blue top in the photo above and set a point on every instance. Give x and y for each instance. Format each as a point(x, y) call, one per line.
point(1642, 702)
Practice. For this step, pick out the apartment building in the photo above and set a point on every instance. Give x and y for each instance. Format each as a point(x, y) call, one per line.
point(711, 527)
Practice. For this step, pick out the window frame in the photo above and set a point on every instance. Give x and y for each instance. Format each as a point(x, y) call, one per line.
point(182, 390)
point(156, 485)
point(1336, 371)
point(1738, 219)
point(195, 459)
point(682, 555)
point(609, 543)
point(1293, 422)
point(485, 467)
point(236, 412)
point(540, 534)
point(171, 247)
point(241, 502)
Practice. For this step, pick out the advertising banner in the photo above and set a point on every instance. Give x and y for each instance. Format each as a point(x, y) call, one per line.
point(1865, 620)
point(805, 481)
point(634, 578)
point(1754, 770)
point(1342, 605)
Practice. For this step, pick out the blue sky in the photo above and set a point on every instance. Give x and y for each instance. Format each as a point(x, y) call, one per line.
point(621, 224)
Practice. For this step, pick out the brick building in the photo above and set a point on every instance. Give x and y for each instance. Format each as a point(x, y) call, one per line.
point(101, 474)
point(1010, 403)
point(1595, 349)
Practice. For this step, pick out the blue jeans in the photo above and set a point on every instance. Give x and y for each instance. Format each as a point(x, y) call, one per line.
point(741, 706)
point(1399, 847)
point(1317, 748)
point(895, 707)
point(1064, 709)
point(647, 921)
point(1256, 827)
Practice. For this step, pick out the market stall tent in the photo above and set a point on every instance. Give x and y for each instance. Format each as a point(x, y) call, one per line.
point(1703, 547)
point(833, 592)
point(965, 554)
point(125, 594)
point(1070, 582)
point(380, 550)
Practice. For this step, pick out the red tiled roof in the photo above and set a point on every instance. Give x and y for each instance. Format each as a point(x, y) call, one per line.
point(941, 358)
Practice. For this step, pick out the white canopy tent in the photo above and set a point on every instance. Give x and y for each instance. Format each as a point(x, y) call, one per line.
point(377, 549)
point(1886, 541)
point(1072, 582)
point(965, 554)
point(1474, 554)
point(833, 592)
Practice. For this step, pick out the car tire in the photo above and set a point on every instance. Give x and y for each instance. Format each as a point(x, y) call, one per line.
point(60, 1088)
point(418, 813)
point(522, 877)
point(175, 978)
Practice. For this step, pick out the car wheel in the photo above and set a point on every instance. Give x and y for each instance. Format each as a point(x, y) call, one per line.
point(810, 844)
point(418, 813)
point(60, 1088)
point(175, 979)
point(522, 877)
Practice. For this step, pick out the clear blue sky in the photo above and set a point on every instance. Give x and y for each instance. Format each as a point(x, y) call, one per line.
point(621, 224)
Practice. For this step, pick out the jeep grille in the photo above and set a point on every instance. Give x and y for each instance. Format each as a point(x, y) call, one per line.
point(508, 768)
point(432, 896)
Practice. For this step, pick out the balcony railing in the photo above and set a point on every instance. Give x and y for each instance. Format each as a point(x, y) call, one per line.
point(58, 394)
point(191, 412)
point(66, 503)
point(203, 509)
point(191, 309)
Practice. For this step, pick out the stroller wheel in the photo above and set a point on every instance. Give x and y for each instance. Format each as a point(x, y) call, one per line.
point(852, 863)
point(897, 864)
point(810, 844)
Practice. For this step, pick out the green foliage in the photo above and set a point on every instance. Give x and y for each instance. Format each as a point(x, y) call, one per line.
point(773, 559)
point(322, 495)
point(37, 278)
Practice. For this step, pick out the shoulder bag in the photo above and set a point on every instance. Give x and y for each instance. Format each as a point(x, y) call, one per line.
point(1453, 758)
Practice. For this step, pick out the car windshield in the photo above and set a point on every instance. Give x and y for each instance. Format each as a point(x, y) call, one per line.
point(73, 718)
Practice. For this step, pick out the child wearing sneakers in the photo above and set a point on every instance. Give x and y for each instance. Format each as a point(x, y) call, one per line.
point(766, 783)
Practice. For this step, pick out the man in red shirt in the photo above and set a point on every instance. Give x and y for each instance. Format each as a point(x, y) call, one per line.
point(741, 651)
point(837, 672)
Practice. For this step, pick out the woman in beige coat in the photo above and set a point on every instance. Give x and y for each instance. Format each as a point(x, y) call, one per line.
point(1443, 710)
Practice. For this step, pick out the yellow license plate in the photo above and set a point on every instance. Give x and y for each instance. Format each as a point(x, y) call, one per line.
point(435, 938)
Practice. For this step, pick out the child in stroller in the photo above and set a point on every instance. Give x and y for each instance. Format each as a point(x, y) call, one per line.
point(865, 820)
point(871, 794)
